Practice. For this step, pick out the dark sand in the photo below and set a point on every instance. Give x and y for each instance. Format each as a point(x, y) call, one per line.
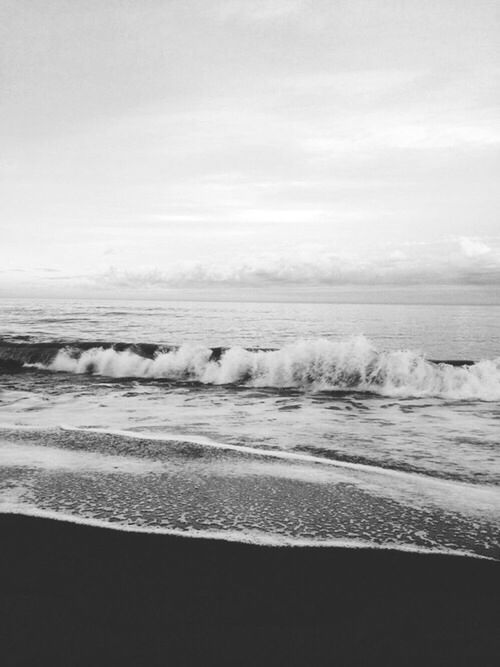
point(77, 595)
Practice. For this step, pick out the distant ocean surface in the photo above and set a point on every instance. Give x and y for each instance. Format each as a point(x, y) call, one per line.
point(273, 423)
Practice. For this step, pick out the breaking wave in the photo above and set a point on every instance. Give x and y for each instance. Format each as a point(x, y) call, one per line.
point(353, 364)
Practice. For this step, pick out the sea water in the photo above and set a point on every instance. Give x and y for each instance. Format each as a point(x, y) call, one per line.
point(274, 423)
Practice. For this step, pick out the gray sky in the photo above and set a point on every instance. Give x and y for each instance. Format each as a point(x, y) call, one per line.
point(150, 144)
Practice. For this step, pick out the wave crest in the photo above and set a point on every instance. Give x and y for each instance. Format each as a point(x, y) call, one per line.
point(318, 365)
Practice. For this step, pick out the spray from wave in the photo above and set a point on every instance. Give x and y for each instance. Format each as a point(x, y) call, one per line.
point(314, 365)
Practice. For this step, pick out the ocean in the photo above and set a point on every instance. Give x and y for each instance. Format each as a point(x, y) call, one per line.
point(361, 425)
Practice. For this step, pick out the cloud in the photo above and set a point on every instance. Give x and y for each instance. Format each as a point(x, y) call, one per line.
point(463, 261)
point(386, 131)
point(474, 247)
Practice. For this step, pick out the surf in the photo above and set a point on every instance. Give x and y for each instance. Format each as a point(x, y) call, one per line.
point(320, 364)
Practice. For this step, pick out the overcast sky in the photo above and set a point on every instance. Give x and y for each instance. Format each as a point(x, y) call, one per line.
point(284, 143)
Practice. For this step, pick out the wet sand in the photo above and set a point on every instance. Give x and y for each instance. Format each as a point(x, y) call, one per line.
point(80, 595)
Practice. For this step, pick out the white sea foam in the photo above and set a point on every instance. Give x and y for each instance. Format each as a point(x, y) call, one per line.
point(455, 493)
point(317, 364)
point(285, 455)
point(15, 455)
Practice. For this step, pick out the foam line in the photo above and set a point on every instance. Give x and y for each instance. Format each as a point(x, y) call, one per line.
point(254, 538)
point(278, 454)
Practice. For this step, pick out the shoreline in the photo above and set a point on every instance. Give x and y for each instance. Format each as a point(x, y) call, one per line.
point(78, 594)
point(237, 537)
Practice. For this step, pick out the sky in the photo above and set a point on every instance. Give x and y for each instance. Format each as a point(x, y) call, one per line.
point(236, 145)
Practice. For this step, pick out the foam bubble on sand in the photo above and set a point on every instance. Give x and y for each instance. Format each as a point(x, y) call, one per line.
point(257, 538)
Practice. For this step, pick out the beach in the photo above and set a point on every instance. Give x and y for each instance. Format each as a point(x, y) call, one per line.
point(243, 496)
point(80, 595)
